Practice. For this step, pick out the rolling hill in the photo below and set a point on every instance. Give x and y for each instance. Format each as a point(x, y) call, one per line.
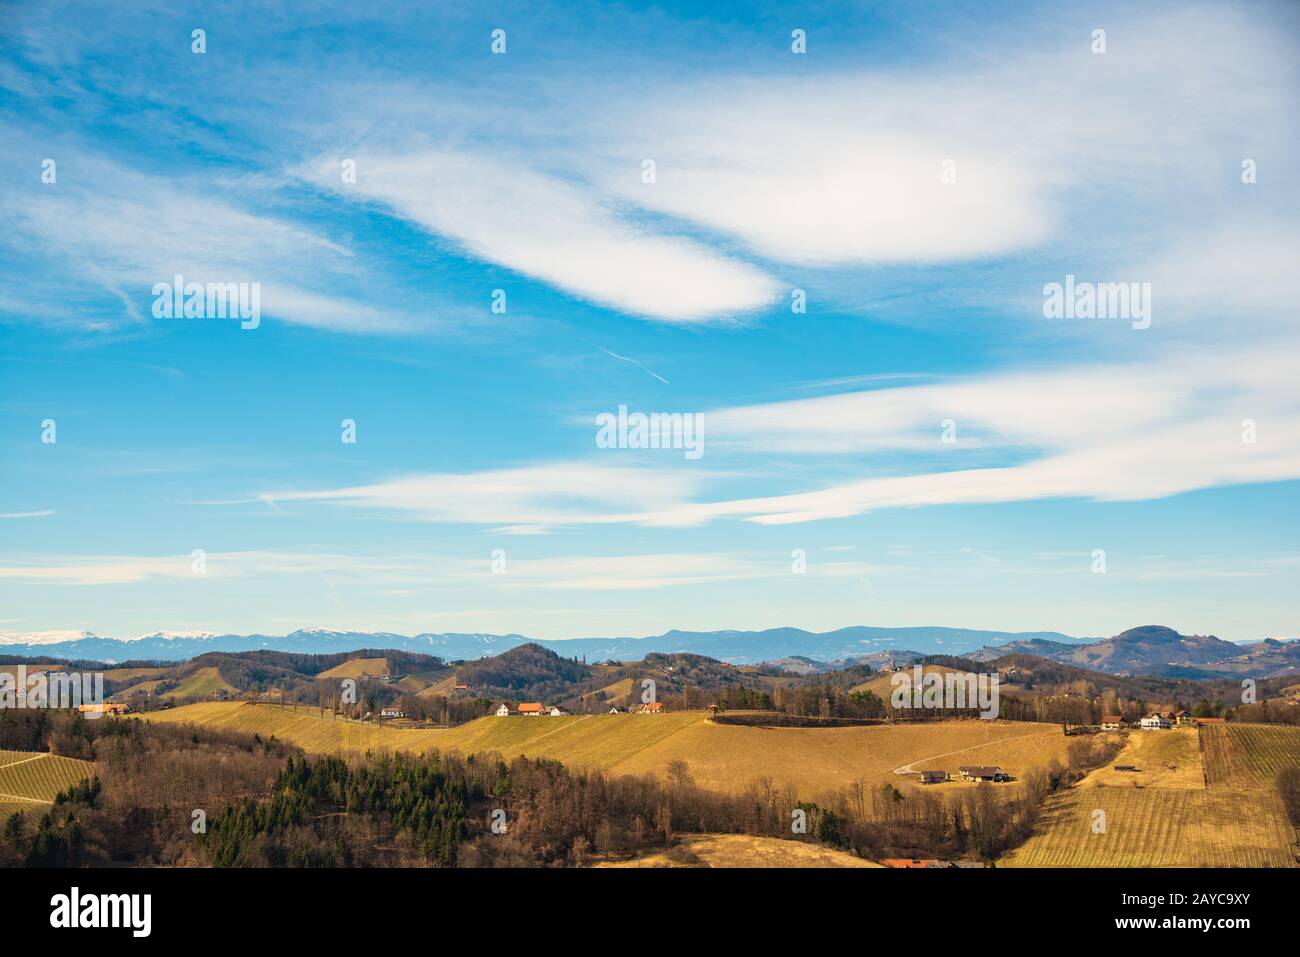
point(719, 757)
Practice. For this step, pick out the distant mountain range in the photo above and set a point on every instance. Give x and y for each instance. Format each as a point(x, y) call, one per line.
point(738, 647)
point(1148, 650)
point(1160, 651)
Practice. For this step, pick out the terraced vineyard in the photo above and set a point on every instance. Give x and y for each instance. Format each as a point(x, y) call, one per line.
point(1150, 827)
point(1268, 748)
point(1226, 764)
point(1248, 756)
point(29, 780)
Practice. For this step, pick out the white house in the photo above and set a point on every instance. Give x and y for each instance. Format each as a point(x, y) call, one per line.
point(503, 711)
point(555, 711)
point(392, 711)
point(1156, 721)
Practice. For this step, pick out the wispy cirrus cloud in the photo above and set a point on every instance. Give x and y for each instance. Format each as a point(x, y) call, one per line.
point(554, 229)
point(1103, 433)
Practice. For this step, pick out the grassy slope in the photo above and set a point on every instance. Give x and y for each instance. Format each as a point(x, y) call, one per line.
point(1164, 816)
point(30, 780)
point(740, 850)
point(722, 757)
point(202, 682)
point(358, 668)
point(1155, 827)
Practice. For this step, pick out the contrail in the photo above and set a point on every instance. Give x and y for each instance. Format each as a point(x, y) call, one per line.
point(634, 362)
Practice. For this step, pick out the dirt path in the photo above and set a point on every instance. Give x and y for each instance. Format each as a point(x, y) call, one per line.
point(19, 797)
point(14, 764)
point(908, 768)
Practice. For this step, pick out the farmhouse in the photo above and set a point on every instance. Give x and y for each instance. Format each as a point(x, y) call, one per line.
point(1184, 718)
point(934, 777)
point(654, 707)
point(503, 711)
point(919, 862)
point(555, 711)
point(1156, 721)
point(533, 709)
point(980, 772)
point(1112, 722)
point(108, 707)
point(617, 710)
point(392, 711)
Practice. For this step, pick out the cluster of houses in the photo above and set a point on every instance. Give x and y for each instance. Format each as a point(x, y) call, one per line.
point(918, 862)
point(536, 709)
point(105, 707)
point(967, 772)
point(1155, 721)
point(531, 709)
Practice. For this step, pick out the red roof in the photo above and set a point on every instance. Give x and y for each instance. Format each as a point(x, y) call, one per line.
point(653, 706)
point(528, 707)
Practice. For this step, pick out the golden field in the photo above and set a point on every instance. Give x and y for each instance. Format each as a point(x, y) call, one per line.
point(357, 668)
point(1159, 827)
point(30, 780)
point(1164, 815)
point(721, 757)
point(741, 850)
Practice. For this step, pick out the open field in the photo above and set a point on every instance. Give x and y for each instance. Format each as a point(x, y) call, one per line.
point(1164, 759)
point(1155, 827)
point(13, 669)
point(358, 668)
point(29, 780)
point(740, 850)
point(201, 683)
point(133, 674)
point(720, 757)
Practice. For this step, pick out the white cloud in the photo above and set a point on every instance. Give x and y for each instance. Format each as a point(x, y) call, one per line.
point(555, 230)
point(124, 232)
point(1120, 433)
point(525, 499)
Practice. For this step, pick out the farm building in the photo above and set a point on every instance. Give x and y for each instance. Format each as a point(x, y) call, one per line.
point(654, 707)
point(934, 777)
point(1184, 718)
point(1201, 721)
point(107, 707)
point(458, 685)
point(392, 711)
point(555, 711)
point(981, 772)
point(617, 710)
point(1156, 721)
point(926, 862)
point(1112, 722)
point(503, 711)
point(533, 709)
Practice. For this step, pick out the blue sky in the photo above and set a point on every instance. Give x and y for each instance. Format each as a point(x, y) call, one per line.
point(829, 172)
